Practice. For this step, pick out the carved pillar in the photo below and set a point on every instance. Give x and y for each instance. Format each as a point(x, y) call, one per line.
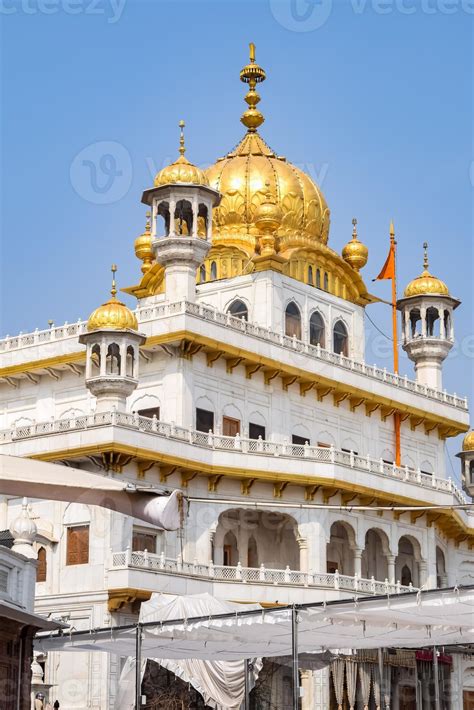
point(391, 568)
point(303, 545)
point(358, 561)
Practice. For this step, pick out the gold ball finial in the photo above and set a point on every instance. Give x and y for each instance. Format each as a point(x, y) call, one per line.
point(113, 290)
point(252, 74)
point(143, 246)
point(426, 263)
point(355, 253)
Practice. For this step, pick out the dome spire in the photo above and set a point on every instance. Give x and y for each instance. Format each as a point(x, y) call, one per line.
point(426, 262)
point(182, 147)
point(113, 290)
point(252, 74)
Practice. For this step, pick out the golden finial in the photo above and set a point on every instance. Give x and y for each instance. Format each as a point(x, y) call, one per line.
point(182, 147)
point(426, 263)
point(392, 230)
point(252, 74)
point(354, 228)
point(113, 290)
point(148, 222)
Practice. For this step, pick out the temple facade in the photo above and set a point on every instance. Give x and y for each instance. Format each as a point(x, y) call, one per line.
point(240, 378)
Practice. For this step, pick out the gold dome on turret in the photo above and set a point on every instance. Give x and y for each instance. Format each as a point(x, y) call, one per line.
point(426, 284)
point(113, 314)
point(143, 248)
point(355, 253)
point(468, 443)
point(181, 171)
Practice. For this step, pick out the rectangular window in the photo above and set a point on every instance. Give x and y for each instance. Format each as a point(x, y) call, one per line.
point(77, 552)
point(299, 440)
point(230, 427)
point(150, 413)
point(255, 430)
point(204, 420)
point(322, 445)
point(142, 541)
point(331, 567)
point(348, 451)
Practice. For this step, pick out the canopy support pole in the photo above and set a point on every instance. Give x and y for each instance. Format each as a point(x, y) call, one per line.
point(436, 678)
point(382, 684)
point(138, 667)
point(294, 653)
point(246, 684)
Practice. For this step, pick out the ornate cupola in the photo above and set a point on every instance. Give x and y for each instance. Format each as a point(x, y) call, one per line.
point(183, 200)
point(467, 463)
point(112, 354)
point(427, 324)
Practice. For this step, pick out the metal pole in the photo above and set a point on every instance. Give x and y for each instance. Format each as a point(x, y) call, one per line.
point(382, 684)
point(436, 678)
point(138, 668)
point(294, 653)
point(246, 684)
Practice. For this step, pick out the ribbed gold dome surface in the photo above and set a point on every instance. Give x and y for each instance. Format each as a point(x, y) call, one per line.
point(181, 171)
point(426, 284)
point(241, 176)
point(113, 314)
point(468, 443)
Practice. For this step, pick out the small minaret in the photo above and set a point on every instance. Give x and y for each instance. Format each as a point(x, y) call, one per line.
point(427, 324)
point(183, 198)
point(23, 530)
point(467, 463)
point(112, 354)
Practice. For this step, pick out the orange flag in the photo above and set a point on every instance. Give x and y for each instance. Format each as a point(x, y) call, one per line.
point(388, 269)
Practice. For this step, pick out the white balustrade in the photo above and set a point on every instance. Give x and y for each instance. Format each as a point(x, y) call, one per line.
point(237, 445)
point(208, 313)
point(255, 575)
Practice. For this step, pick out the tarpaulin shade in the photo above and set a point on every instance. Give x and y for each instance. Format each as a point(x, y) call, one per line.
point(39, 479)
point(433, 618)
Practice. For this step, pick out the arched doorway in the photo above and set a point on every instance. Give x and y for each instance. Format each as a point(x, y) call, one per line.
point(374, 557)
point(407, 563)
point(339, 553)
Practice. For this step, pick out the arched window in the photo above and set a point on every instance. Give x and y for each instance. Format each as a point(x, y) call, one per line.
point(213, 270)
point(130, 362)
point(41, 570)
point(432, 322)
point(326, 281)
point(406, 576)
point(95, 360)
point(163, 212)
point(184, 218)
point(113, 359)
point(340, 339)
point(316, 330)
point(318, 278)
point(293, 320)
point(202, 273)
point(238, 309)
point(202, 220)
point(310, 275)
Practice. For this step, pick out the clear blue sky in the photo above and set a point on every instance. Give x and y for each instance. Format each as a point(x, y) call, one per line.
point(372, 97)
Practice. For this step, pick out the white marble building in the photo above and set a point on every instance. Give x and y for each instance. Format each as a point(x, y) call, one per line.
point(240, 377)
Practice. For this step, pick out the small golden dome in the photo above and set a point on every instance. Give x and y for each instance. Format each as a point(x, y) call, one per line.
point(143, 248)
point(468, 443)
point(112, 315)
point(181, 171)
point(355, 253)
point(426, 284)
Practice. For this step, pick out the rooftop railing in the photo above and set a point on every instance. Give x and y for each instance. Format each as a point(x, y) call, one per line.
point(209, 314)
point(237, 444)
point(254, 575)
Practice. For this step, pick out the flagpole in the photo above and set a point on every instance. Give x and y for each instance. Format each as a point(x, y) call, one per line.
point(396, 416)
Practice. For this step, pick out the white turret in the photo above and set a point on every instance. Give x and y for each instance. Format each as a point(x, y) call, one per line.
point(183, 198)
point(427, 325)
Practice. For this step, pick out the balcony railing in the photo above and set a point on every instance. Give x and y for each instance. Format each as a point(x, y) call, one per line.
point(253, 575)
point(237, 444)
point(209, 314)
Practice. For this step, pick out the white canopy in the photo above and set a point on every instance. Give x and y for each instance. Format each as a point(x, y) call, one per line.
point(39, 479)
point(431, 618)
point(221, 683)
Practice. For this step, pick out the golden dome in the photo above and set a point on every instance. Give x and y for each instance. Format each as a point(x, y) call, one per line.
point(426, 284)
point(112, 315)
point(468, 443)
point(143, 248)
point(355, 253)
point(181, 171)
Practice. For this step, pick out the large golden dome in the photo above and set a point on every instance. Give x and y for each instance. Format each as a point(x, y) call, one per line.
point(113, 314)
point(241, 177)
point(426, 284)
